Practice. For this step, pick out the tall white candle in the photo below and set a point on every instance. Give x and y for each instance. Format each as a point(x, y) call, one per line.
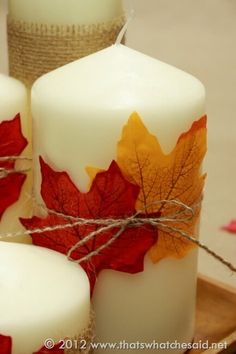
point(43, 296)
point(78, 113)
point(77, 11)
point(13, 100)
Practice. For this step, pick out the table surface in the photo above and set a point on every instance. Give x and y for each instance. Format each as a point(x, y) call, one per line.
point(198, 37)
point(215, 316)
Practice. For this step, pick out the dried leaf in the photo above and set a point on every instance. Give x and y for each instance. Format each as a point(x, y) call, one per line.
point(164, 177)
point(92, 172)
point(12, 143)
point(5, 344)
point(110, 196)
point(55, 350)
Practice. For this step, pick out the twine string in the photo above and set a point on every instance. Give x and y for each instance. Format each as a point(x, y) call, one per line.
point(99, 249)
point(182, 214)
point(15, 158)
point(4, 172)
point(155, 222)
point(201, 245)
point(134, 221)
point(183, 209)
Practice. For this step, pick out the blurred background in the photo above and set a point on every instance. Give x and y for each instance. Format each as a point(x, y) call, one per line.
point(197, 36)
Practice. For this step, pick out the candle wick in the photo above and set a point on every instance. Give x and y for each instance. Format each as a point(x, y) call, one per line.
point(125, 27)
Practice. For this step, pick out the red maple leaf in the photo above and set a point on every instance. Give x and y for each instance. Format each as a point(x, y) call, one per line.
point(55, 350)
point(5, 344)
point(6, 347)
point(12, 143)
point(110, 196)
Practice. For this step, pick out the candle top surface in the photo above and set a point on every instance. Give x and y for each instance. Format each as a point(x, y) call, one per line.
point(65, 12)
point(37, 285)
point(119, 78)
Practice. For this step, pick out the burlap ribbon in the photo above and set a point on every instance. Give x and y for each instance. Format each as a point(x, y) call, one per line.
point(35, 49)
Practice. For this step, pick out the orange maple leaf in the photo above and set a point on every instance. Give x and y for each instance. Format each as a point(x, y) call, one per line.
point(92, 173)
point(173, 176)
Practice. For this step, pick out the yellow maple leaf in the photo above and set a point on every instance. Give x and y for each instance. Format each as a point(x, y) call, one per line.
point(174, 176)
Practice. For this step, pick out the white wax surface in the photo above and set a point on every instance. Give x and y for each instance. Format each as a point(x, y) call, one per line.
point(158, 304)
point(13, 100)
point(65, 11)
point(79, 109)
point(42, 295)
point(78, 114)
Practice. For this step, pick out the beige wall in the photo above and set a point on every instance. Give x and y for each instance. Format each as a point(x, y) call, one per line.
point(198, 36)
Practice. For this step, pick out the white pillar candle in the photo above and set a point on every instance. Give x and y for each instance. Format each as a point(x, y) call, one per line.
point(43, 295)
point(13, 100)
point(78, 114)
point(77, 11)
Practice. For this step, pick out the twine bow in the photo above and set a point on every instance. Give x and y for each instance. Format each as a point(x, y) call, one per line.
point(183, 214)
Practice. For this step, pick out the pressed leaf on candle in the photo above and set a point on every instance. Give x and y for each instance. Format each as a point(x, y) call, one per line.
point(6, 347)
point(164, 177)
point(110, 196)
point(57, 349)
point(92, 172)
point(5, 344)
point(12, 143)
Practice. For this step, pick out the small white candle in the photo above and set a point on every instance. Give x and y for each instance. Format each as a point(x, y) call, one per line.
point(13, 100)
point(78, 113)
point(43, 295)
point(77, 11)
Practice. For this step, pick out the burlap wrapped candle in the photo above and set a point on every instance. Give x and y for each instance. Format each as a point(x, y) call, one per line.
point(43, 37)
